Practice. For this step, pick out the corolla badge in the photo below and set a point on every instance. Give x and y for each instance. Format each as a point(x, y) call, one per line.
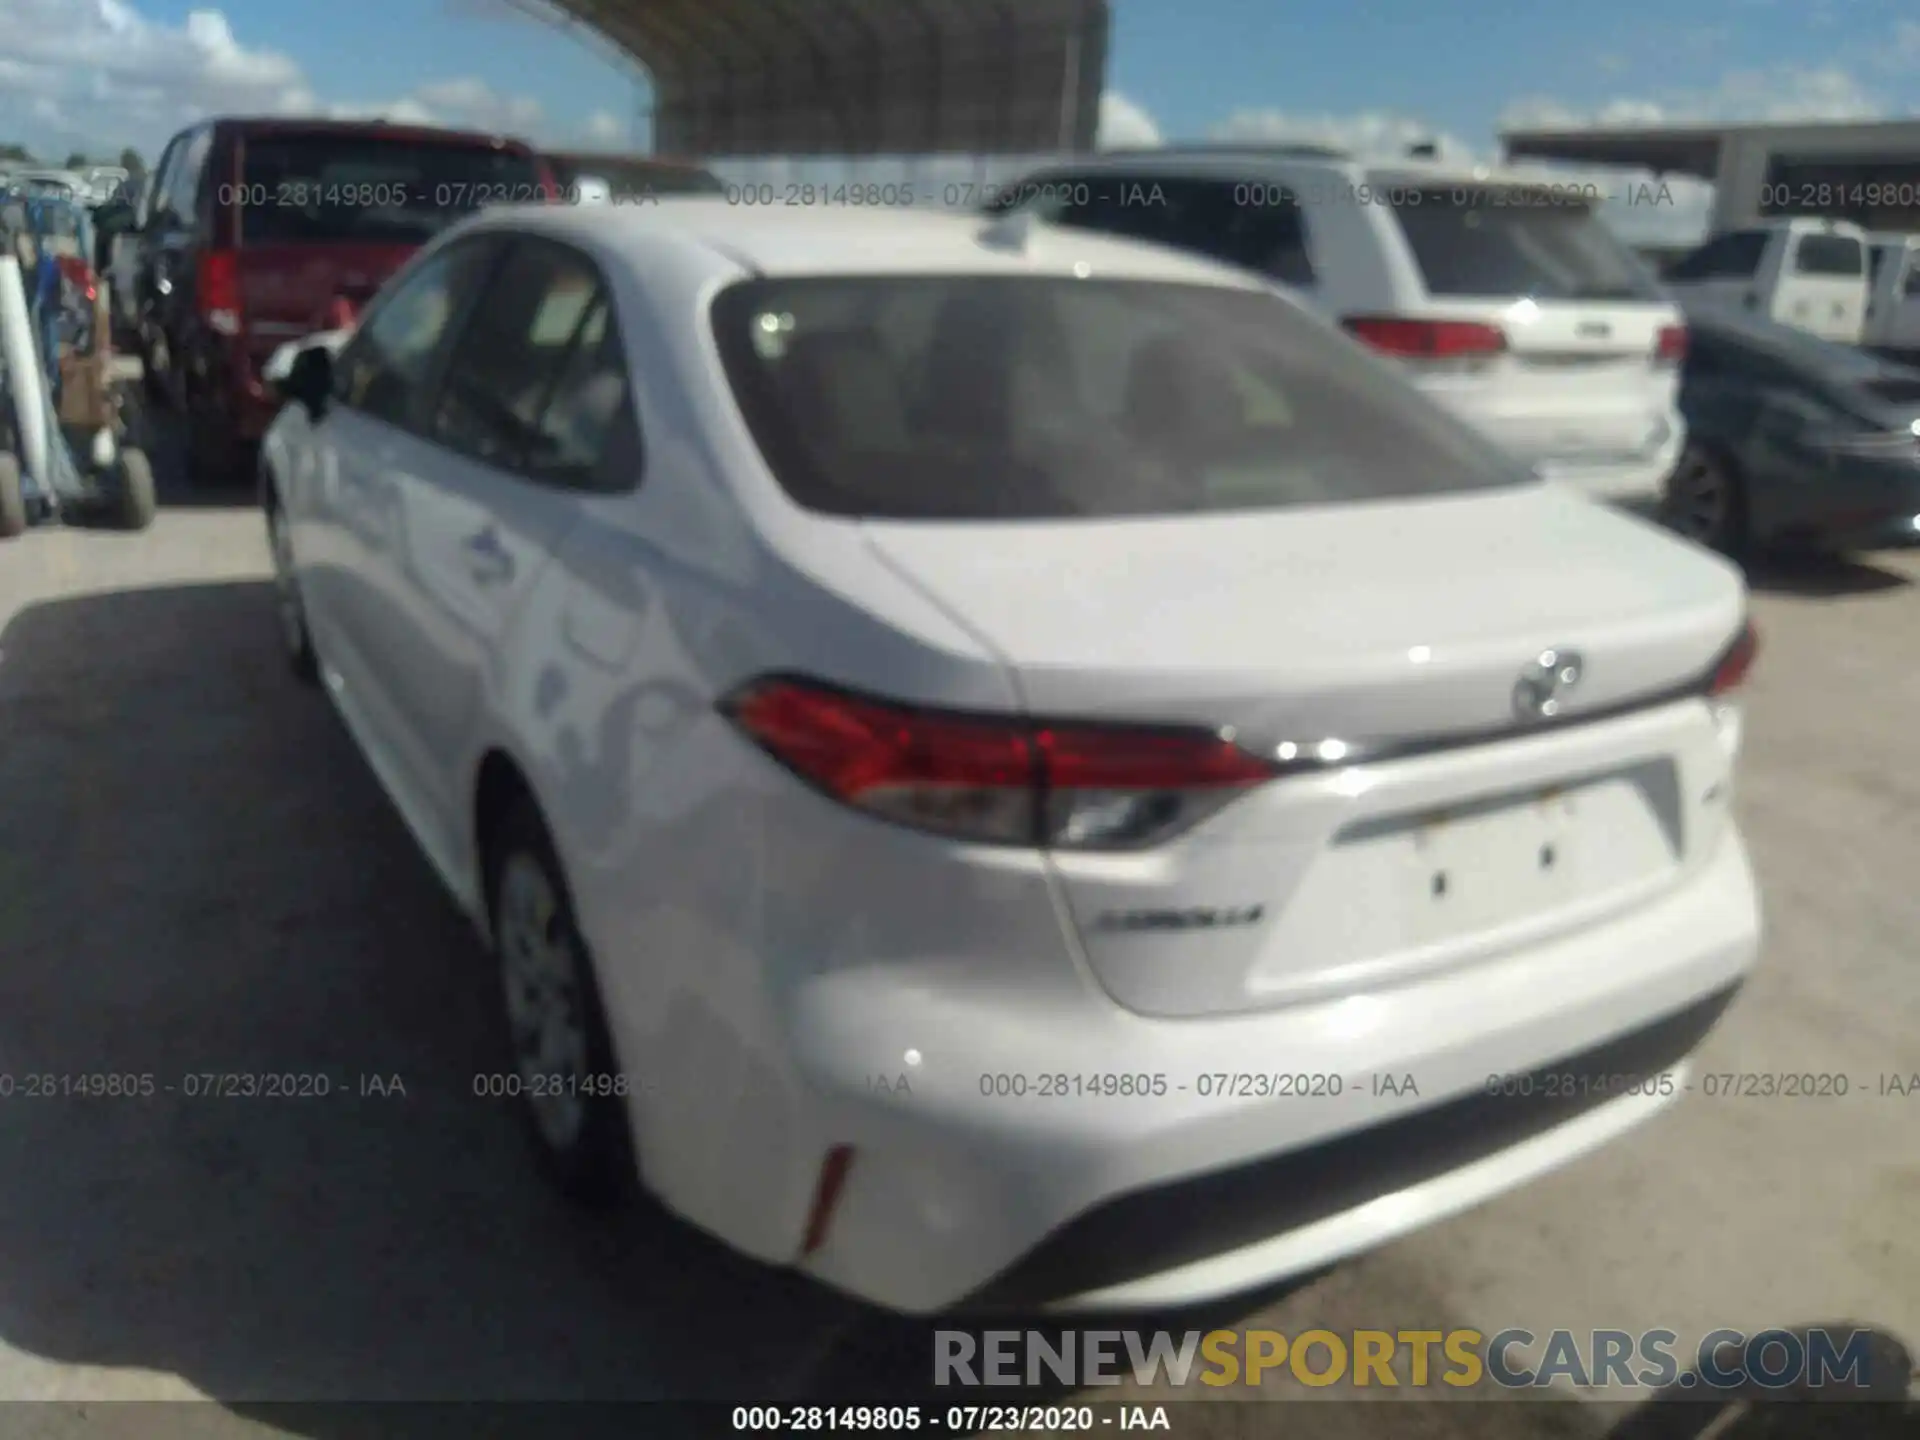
point(1541, 691)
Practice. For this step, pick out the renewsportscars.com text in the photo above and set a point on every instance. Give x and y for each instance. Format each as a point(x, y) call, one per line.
point(1509, 1359)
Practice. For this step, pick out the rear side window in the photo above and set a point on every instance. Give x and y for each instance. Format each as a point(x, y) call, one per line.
point(1731, 257)
point(537, 382)
point(1493, 251)
point(1911, 286)
point(321, 188)
point(384, 367)
point(1830, 255)
point(975, 397)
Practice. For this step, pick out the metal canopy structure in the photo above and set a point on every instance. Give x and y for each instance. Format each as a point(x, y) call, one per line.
point(1666, 150)
point(860, 77)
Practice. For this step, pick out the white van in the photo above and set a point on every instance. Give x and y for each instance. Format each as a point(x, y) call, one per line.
point(1503, 297)
point(1811, 274)
point(1893, 300)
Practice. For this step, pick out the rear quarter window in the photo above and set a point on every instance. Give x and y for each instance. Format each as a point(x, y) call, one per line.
point(1840, 256)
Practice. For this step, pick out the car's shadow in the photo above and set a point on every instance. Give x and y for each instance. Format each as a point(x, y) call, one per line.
point(1821, 575)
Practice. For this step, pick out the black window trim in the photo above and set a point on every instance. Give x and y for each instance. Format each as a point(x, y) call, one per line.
point(435, 380)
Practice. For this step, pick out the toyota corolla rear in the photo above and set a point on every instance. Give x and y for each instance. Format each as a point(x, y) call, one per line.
point(1220, 813)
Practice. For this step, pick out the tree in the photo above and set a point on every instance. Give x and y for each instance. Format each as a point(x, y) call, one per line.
point(75, 160)
point(131, 162)
point(16, 152)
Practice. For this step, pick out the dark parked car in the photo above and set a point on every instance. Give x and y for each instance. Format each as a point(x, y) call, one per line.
point(1794, 441)
point(257, 231)
point(633, 178)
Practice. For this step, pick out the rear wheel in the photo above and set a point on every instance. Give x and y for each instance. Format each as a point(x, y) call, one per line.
point(13, 500)
point(134, 505)
point(1706, 500)
point(557, 1031)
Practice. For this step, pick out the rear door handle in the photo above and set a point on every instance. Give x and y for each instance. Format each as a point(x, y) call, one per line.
point(487, 559)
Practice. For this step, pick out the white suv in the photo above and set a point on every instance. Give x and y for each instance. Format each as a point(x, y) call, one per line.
point(1505, 297)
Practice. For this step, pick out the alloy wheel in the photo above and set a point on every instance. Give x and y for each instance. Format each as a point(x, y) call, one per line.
point(546, 1020)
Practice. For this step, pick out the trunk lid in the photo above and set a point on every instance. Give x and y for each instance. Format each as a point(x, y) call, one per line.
point(1403, 625)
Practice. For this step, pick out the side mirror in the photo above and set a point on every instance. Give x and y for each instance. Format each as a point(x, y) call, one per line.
point(309, 380)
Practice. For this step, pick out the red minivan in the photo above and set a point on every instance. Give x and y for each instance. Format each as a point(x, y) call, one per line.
point(258, 231)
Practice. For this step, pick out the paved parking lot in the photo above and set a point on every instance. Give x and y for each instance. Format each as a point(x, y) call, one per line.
point(197, 874)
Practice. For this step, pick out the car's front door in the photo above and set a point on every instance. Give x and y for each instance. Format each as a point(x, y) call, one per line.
point(492, 487)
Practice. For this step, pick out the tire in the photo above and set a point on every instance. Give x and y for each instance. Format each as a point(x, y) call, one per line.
point(13, 499)
point(134, 504)
point(291, 608)
point(1706, 500)
point(581, 1139)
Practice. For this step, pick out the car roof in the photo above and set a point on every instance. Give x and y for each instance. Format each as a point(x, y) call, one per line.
point(824, 241)
point(1227, 161)
point(313, 125)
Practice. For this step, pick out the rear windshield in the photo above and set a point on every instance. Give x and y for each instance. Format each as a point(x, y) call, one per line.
point(1473, 245)
point(320, 188)
point(1840, 255)
point(973, 397)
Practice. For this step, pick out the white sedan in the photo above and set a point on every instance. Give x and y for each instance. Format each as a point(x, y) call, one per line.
point(1002, 766)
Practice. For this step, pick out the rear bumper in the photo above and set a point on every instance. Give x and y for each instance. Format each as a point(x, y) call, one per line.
point(1638, 483)
point(1086, 1200)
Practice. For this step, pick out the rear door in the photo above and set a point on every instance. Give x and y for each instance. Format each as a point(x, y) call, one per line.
point(510, 447)
point(1580, 377)
point(1822, 287)
point(327, 215)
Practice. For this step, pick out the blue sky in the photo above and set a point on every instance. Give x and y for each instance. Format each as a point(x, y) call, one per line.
point(97, 74)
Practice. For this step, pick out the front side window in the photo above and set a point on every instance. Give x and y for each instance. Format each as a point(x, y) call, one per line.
point(976, 397)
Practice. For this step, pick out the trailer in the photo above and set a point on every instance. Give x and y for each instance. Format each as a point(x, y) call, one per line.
point(65, 451)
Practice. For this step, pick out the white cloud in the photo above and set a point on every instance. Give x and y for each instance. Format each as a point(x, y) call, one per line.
point(1369, 133)
point(1783, 93)
point(1125, 125)
point(98, 75)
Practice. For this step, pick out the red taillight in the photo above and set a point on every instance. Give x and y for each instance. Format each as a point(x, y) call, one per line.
point(1671, 347)
point(219, 291)
point(1731, 670)
point(1006, 781)
point(1428, 339)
